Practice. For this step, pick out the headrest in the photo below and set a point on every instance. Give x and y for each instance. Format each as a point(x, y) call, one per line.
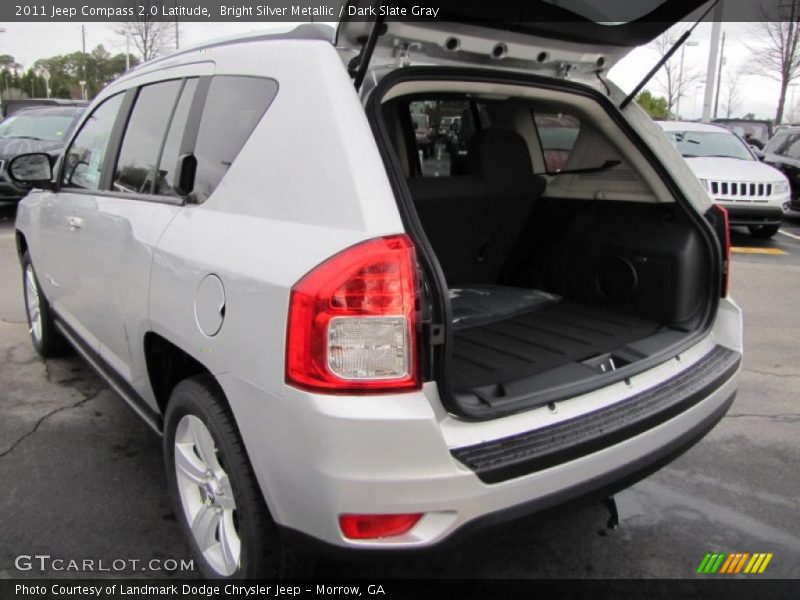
point(500, 153)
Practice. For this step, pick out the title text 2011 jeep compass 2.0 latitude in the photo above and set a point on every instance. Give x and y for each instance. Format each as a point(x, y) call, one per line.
point(347, 340)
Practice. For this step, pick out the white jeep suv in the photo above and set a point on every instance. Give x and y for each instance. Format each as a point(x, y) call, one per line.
point(754, 194)
point(346, 341)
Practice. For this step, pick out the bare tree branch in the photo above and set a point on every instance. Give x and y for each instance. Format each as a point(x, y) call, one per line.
point(676, 78)
point(733, 98)
point(150, 37)
point(779, 56)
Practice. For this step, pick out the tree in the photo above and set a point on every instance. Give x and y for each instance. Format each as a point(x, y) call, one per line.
point(779, 56)
point(733, 99)
point(16, 83)
point(9, 63)
point(97, 68)
point(656, 106)
point(151, 38)
point(675, 78)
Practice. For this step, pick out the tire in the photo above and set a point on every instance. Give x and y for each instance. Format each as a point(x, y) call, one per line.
point(47, 340)
point(197, 409)
point(763, 232)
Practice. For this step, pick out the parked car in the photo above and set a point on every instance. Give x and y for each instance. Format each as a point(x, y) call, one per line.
point(341, 352)
point(755, 194)
point(10, 107)
point(33, 130)
point(755, 132)
point(783, 153)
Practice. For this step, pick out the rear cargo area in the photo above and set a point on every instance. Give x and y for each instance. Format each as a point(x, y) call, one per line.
point(586, 288)
point(541, 339)
point(565, 267)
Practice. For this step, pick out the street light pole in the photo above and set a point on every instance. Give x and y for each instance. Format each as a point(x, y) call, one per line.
point(697, 88)
point(716, 29)
point(719, 73)
point(680, 78)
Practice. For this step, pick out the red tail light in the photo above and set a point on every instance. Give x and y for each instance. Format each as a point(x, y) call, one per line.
point(353, 321)
point(723, 229)
point(370, 527)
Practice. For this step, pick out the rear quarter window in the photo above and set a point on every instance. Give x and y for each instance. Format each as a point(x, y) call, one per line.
point(557, 134)
point(233, 107)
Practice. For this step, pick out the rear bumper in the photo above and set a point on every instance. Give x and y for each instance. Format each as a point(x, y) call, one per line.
point(507, 458)
point(592, 490)
point(397, 453)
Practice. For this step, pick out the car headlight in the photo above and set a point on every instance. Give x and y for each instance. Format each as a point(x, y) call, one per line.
point(780, 188)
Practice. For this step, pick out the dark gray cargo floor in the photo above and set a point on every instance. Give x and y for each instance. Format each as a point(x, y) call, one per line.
point(540, 340)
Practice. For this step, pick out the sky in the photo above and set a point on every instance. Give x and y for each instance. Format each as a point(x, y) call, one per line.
point(28, 42)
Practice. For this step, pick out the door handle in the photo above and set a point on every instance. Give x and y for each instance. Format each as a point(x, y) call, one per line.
point(74, 223)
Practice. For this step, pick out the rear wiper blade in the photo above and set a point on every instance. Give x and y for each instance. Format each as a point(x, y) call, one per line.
point(604, 167)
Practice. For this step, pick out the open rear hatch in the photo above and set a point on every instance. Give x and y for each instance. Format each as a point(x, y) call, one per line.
point(547, 37)
point(546, 281)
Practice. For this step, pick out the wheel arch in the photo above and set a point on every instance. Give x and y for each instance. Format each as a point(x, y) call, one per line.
point(21, 243)
point(167, 365)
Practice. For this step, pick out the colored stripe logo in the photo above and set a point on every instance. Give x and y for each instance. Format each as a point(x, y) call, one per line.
point(737, 562)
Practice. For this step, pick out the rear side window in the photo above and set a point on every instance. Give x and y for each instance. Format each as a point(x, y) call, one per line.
point(233, 107)
point(557, 134)
point(83, 162)
point(442, 132)
point(165, 182)
point(136, 166)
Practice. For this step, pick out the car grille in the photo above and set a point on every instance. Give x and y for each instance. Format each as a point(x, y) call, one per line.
point(740, 191)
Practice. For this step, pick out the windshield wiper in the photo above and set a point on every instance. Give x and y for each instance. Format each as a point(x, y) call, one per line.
point(715, 156)
point(25, 137)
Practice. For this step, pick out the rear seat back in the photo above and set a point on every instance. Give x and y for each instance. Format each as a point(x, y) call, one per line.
point(474, 221)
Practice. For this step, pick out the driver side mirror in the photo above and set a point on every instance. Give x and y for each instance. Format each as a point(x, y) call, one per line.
point(758, 152)
point(33, 169)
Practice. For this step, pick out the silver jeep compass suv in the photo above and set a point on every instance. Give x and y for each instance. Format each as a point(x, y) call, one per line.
point(347, 338)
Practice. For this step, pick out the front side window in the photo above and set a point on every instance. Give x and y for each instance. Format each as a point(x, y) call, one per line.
point(138, 156)
point(83, 162)
point(233, 107)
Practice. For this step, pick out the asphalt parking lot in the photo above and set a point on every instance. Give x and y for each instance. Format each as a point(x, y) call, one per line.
point(83, 477)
